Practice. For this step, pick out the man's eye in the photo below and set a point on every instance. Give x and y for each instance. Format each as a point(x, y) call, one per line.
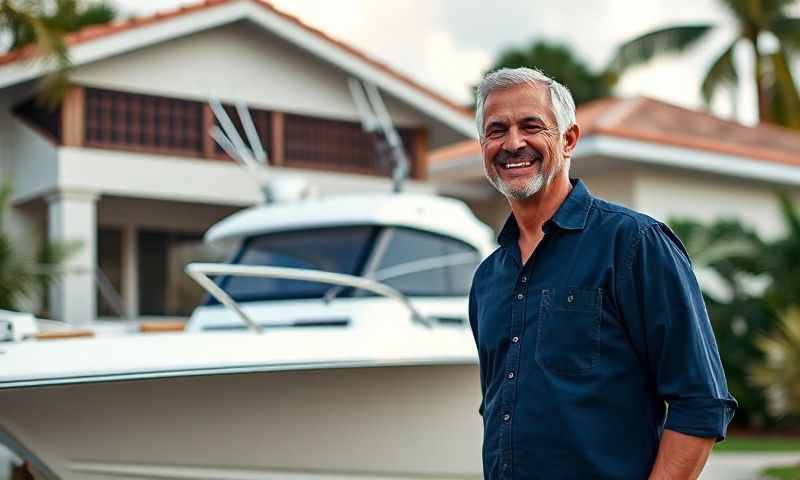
point(533, 127)
point(495, 132)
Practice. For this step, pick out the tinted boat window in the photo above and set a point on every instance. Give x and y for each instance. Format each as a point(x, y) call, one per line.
point(425, 264)
point(339, 250)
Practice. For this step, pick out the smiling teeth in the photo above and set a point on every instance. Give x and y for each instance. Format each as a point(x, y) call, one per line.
point(516, 165)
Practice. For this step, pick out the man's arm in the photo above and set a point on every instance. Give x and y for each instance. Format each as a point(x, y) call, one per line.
point(680, 456)
point(662, 306)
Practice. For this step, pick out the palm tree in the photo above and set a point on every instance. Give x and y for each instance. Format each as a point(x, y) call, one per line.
point(778, 99)
point(43, 25)
point(24, 278)
point(779, 372)
point(560, 63)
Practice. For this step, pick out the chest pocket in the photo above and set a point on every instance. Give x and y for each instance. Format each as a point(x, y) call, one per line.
point(569, 330)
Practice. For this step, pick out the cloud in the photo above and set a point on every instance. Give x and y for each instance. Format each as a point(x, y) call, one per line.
point(449, 66)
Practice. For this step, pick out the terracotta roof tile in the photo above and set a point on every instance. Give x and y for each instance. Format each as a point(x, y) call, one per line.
point(99, 31)
point(660, 122)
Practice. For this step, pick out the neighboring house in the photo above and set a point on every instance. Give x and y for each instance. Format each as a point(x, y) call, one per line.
point(658, 158)
point(125, 164)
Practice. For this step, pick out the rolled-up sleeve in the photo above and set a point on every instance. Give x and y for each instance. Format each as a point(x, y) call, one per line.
point(662, 305)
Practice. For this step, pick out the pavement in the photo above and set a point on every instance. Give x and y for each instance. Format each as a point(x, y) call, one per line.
point(744, 466)
point(721, 466)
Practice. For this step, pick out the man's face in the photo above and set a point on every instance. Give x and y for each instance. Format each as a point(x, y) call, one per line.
point(521, 145)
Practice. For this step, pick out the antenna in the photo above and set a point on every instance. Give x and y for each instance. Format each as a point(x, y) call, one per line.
point(252, 158)
point(375, 120)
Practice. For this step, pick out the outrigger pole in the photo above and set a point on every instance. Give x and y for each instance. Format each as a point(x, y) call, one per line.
point(253, 157)
point(375, 120)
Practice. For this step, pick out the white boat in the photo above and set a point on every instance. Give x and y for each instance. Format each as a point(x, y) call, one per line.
point(334, 345)
point(378, 381)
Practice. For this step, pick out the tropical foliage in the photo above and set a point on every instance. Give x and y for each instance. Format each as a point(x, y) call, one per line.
point(43, 25)
point(779, 372)
point(26, 278)
point(560, 63)
point(759, 22)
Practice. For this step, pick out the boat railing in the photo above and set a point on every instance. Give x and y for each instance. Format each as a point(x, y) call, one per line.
point(200, 273)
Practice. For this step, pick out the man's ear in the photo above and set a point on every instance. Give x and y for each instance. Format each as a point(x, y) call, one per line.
point(571, 137)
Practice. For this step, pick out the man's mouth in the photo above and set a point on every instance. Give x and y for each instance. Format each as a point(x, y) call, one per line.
point(511, 166)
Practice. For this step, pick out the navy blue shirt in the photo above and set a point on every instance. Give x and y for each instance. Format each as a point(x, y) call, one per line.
point(592, 347)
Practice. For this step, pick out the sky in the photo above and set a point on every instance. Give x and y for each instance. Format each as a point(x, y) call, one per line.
point(448, 44)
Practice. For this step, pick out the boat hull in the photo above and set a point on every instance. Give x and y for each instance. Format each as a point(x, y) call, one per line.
point(383, 422)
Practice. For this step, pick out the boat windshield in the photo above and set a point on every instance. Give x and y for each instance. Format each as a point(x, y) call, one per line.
point(338, 250)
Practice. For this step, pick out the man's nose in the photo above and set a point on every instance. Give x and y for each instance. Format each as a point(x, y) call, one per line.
point(514, 141)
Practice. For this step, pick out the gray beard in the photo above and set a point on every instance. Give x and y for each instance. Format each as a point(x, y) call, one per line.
point(528, 190)
point(525, 192)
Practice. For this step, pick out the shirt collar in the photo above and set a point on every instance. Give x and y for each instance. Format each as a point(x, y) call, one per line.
point(571, 215)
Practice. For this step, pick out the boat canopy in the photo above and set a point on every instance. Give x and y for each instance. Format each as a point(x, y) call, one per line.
point(431, 213)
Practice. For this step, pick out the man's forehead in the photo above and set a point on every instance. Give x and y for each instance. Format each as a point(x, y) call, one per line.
point(519, 98)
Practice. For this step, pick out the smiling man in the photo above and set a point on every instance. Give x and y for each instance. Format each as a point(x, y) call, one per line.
point(597, 356)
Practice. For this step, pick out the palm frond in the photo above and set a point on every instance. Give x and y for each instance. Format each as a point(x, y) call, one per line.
point(791, 215)
point(779, 372)
point(722, 240)
point(756, 14)
point(787, 29)
point(5, 201)
point(50, 258)
point(96, 14)
point(722, 72)
point(51, 43)
point(658, 42)
point(45, 25)
point(785, 100)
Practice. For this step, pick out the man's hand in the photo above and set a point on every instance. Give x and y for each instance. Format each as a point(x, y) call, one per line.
point(680, 456)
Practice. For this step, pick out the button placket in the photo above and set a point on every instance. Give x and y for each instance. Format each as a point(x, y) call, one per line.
point(509, 394)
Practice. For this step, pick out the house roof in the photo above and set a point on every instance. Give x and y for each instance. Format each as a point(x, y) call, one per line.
point(656, 122)
point(96, 34)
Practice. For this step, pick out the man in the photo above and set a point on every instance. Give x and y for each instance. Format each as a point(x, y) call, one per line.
point(597, 356)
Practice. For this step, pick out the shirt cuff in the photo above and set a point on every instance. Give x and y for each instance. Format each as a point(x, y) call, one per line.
point(701, 417)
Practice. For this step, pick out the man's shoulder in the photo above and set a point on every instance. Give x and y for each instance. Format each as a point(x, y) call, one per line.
point(623, 217)
point(634, 225)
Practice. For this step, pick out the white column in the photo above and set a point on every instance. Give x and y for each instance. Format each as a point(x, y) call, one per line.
point(72, 216)
point(130, 270)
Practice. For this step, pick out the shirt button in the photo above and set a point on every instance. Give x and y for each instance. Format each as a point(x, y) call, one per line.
point(506, 417)
point(570, 299)
point(515, 339)
point(524, 279)
point(520, 296)
point(510, 375)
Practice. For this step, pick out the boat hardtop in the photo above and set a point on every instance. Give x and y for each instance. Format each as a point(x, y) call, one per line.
point(426, 212)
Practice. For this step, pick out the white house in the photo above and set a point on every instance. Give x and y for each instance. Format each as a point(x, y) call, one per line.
point(658, 158)
point(125, 166)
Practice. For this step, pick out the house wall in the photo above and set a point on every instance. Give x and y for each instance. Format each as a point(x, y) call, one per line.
point(28, 157)
point(189, 180)
point(117, 212)
point(242, 62)
point(28, 164)
point(616, 186)
point(664, 194)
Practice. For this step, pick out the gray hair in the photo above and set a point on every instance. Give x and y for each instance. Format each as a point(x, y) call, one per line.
point(561, 101)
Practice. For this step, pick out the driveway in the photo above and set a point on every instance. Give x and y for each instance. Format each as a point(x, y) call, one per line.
point(744, 466)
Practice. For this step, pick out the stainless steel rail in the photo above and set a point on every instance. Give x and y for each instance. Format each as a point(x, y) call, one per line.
point(200, 271)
